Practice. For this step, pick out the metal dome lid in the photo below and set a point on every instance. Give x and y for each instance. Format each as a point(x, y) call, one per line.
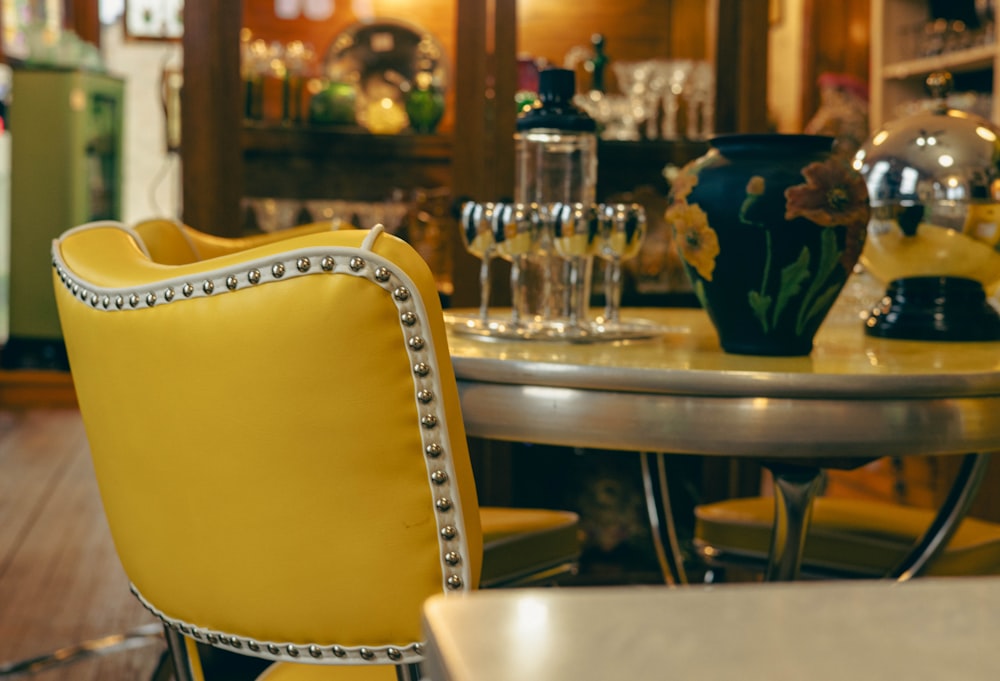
point(933, 165)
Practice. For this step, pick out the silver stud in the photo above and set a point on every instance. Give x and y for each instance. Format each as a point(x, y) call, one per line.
point(429, 421)
point(197, 633)
point(434, 450)
point(357, 263)
point(213, 639)
point(278, 270)
point(439, 477)
point(382, 274)
point(133, 300)
point(168, 295)
point(454, 582)
point(421, 368)
point(84, 293)
point(151, 299)
point(425, 396)
point(235, 642)
point(76, 288)
point(254, 646)
point(231, 282)
point(184, 629)
point(416, 343)
point(95, 299)
point(208, 287)
point(303, 264)
point(315, 651)
point(402, 293)
point(452, 558)
point(449, 532)
point(106, 302)
point(119, 302)
point(366, 654)
point(253, 276)
point(443, 504)
point(408, 318)
point(273, 649)
point(338, 651)
point(187, 290)
point(327, 263)
point(418, 648)
point(394, 654)
point(292, 650)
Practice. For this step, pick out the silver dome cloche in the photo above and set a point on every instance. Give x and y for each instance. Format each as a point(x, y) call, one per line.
point(934, 186)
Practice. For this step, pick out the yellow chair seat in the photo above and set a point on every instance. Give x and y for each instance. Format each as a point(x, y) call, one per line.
point(521, 543)
point(849, 536)
point(283, 671)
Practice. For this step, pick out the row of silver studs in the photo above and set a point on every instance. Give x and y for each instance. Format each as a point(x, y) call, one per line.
point(111, 300)
point(309, 652)
point(367, 265)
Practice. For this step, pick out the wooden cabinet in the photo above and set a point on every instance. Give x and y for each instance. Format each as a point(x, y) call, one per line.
point(900, 62)
point(224, 160)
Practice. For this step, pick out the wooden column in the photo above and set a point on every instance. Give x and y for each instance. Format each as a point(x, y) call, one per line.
point(211, 117)
point(83, 17)
point(737, 34)
point(483, 156)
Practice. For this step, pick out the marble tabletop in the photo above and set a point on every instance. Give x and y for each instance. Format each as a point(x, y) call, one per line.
point(677, 391)
point(821, 631)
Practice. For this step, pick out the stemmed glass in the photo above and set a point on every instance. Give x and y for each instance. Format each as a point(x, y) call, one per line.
point(677, 86)
point(621, 231)
point(515, 230)
point(573, 238)
point(478, 238)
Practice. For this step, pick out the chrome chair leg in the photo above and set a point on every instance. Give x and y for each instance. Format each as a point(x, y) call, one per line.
point(179, 654)
point(408, 672)
point(147, 634)
point(661, 518)
point(956, 505)
point(794, 490)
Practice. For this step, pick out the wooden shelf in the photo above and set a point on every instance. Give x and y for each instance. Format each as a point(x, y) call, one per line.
point(973, 59)
point(28, 388)
point(343, 141)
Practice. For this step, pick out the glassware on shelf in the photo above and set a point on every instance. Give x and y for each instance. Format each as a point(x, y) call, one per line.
point(253, 66)
point(300, 58)
point(700, 99)
point(633, 81)
point(272, 215)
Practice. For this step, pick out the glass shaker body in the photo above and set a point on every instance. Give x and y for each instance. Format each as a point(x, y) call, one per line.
point(556, 166)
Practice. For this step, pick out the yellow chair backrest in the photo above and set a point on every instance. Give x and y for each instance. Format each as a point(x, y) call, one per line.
point(276, 435)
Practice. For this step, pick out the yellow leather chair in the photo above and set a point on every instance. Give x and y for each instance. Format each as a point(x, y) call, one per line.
point(276, 433)
point(847, 538)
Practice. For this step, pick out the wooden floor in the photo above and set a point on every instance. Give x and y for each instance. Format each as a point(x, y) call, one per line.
point(60, 581)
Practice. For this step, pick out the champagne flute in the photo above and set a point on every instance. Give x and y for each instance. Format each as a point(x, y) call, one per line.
point(477, 236)
point(621, 231)
point(574, 239)
point(515, 229)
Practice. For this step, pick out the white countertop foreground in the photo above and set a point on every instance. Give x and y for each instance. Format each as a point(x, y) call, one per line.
point(946, 628)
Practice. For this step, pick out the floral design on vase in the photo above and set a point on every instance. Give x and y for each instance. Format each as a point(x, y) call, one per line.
point(769, 228)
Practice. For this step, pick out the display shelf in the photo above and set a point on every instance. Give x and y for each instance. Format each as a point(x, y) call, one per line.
point(972, 59)
point(342, 141)
point(898, 75)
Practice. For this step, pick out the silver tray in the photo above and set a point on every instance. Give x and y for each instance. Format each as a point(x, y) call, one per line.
point(593, 331)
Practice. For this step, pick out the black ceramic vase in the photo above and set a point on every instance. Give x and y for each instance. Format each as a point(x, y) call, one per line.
point(769, 227)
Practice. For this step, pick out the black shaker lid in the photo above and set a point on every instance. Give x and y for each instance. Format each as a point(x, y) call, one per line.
point(556, 88)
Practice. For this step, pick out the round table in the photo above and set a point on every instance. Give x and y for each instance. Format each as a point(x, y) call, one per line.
point(854, 399)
